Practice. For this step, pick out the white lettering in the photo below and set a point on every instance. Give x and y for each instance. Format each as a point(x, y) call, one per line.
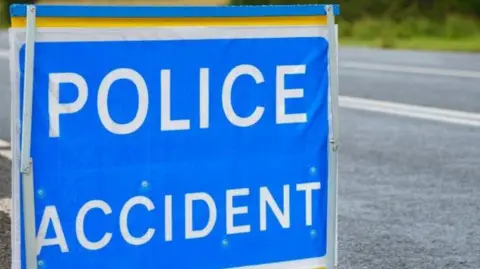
point(266, 198)
point(308, 189)
point(50, 214)
point(283, 94)
point(232, 211)
point(82, 239)
point(129, 238)
point(193, 229)
point(236, 72)
point(54, 106)
point(102, 102)
point(167, 124)
point(212, 215)
point(168, 218)
point(204, 98)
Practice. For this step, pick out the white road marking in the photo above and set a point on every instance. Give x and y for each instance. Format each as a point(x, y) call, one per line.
point(6, 153)
point(411, 69)
point(412, 111)
point(5, 149)
point(5, 205)
point(4, 144)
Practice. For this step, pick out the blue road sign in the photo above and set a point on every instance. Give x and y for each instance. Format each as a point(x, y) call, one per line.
point(180, 153)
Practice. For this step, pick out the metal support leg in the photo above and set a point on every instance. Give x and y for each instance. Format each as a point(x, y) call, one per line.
point(26, 164)
point(333, 151)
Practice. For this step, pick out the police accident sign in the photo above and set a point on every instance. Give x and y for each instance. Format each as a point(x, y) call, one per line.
point(175, 147)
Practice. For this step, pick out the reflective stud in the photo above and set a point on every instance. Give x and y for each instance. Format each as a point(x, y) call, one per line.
point(40, 193)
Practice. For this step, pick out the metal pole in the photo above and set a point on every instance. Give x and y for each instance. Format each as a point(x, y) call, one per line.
point(333, 150)
point(26, 163)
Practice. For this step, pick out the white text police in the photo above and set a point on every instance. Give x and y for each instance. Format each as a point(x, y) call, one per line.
point(56, 108)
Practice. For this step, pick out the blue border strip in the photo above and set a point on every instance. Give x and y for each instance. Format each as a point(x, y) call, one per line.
point(18, 10)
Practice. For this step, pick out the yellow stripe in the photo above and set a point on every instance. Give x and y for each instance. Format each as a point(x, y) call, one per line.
point(20, 22)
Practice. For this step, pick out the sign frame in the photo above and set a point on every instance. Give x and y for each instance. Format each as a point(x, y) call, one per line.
point(32, 17)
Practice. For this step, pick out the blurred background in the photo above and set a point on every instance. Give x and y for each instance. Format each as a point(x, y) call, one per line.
point(411, 24)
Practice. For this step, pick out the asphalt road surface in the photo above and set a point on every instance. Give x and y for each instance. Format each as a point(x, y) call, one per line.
point(409, 192)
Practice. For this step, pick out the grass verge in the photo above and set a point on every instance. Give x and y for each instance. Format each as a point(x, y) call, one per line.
point(454, 33)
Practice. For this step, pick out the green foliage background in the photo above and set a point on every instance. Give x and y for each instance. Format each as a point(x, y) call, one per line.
point(5, 12)
point(394, 9)
point(416, 24)
point(404, 23)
